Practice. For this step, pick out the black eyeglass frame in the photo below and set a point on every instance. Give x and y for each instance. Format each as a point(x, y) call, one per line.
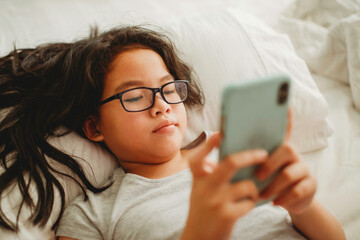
point(154, 91)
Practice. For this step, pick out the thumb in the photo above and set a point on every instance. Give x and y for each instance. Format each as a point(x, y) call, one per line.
point(197, 158)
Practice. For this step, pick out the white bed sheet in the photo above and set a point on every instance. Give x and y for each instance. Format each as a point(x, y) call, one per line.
point(325, 34)
point(337, 167)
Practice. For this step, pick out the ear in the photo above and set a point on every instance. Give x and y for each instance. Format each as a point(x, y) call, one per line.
point(91, 129)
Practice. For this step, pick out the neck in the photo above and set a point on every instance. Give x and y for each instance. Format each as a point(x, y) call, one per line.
point(157, 170)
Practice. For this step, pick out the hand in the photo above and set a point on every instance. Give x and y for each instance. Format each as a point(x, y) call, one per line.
point(215, 202)
point(294, 187)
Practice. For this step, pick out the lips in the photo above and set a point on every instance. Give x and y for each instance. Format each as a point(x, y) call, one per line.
point(165, 126)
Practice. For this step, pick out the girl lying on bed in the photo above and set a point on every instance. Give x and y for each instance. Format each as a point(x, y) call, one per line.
point(125, 89)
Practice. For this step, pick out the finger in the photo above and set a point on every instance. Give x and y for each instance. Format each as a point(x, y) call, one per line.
point(282, 156)
point(232, 163)
point(244, 190)
point(289, 126)
point(300, 193)
point(288, 176)
point(197, 158)
point(209, 166)
point(240, 208)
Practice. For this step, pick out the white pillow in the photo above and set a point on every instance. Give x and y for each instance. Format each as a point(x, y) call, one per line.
point(230, 45)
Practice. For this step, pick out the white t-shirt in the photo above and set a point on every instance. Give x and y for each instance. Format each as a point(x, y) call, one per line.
point(135, 207)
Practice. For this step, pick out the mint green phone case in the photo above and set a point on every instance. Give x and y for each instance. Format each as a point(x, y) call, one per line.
point(254, 115)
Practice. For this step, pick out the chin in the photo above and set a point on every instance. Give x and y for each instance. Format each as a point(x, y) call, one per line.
point(167, 144)
point(167, 148)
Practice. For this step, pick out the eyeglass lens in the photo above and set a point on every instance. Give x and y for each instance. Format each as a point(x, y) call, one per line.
point(142, 98)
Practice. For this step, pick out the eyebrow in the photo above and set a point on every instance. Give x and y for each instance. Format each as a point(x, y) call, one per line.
point(139, 83)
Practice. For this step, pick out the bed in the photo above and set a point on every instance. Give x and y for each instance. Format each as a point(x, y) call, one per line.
point(316, 42)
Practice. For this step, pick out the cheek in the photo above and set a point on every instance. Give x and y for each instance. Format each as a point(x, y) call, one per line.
point(116, 126)
point(182, 118)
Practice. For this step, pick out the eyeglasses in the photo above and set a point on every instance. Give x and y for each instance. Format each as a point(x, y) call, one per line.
point(142, 98)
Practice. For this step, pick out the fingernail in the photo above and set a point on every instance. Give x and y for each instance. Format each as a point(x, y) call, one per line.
point(261, 153)
point(208, 169)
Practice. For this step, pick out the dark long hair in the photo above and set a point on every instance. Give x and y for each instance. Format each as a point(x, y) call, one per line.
point(61, 84)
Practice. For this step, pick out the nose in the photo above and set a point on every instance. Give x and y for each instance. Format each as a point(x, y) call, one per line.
point(160, 106)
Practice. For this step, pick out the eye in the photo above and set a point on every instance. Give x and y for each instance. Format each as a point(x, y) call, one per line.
point(134, 99)
point(169, 89)
point(169, 92)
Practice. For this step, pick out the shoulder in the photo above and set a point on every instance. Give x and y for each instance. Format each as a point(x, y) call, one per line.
point(89, 216)
point(93, 203)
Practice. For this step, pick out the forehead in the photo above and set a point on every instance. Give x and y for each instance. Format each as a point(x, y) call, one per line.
point(139, 59)
point(136, 65)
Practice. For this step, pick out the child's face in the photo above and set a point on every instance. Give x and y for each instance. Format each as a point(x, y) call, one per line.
point(151, 136)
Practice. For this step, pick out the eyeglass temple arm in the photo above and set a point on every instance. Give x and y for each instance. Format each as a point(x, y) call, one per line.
point(109, 99)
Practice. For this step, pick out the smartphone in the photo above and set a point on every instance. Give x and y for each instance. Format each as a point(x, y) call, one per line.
point(254, 115)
